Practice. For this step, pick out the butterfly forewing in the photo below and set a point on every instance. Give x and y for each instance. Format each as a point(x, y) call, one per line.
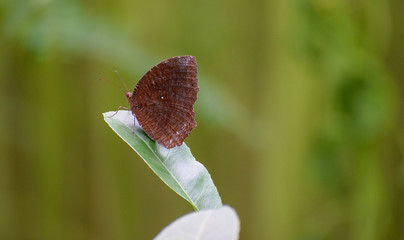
point(164, 100)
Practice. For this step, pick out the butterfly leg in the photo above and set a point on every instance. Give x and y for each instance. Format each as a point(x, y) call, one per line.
point(134, 127)
point(120, 107)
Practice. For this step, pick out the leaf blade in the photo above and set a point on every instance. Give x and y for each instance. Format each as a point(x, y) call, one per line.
point(176, 167)
point(212, 224)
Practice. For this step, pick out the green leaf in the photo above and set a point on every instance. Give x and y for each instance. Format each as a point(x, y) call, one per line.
point(213, 224)
point(176, 166)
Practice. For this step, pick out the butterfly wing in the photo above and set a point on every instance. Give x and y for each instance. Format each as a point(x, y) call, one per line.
point(164, 100)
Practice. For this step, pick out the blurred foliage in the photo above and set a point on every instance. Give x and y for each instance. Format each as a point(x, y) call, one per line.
point(299, 113)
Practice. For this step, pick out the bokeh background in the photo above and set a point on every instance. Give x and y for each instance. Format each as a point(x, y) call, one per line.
point(300, 115)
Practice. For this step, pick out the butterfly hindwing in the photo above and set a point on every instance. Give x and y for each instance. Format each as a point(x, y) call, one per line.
point(164, 100)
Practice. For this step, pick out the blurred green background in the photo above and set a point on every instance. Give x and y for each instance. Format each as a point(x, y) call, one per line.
point(299, 111)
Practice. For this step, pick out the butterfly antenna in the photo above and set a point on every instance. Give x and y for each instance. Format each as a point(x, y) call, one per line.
point(110, 82)
point(117, 73)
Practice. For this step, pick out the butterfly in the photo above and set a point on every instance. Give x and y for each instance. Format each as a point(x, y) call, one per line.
point(163, 100)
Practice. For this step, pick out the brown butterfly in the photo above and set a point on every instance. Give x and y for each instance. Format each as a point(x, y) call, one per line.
point(163, 100)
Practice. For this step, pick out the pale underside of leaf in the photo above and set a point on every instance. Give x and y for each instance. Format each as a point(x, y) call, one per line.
point(213, 224)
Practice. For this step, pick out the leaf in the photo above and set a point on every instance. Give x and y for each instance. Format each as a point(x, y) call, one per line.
point(176, 166)
point(213, 224)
